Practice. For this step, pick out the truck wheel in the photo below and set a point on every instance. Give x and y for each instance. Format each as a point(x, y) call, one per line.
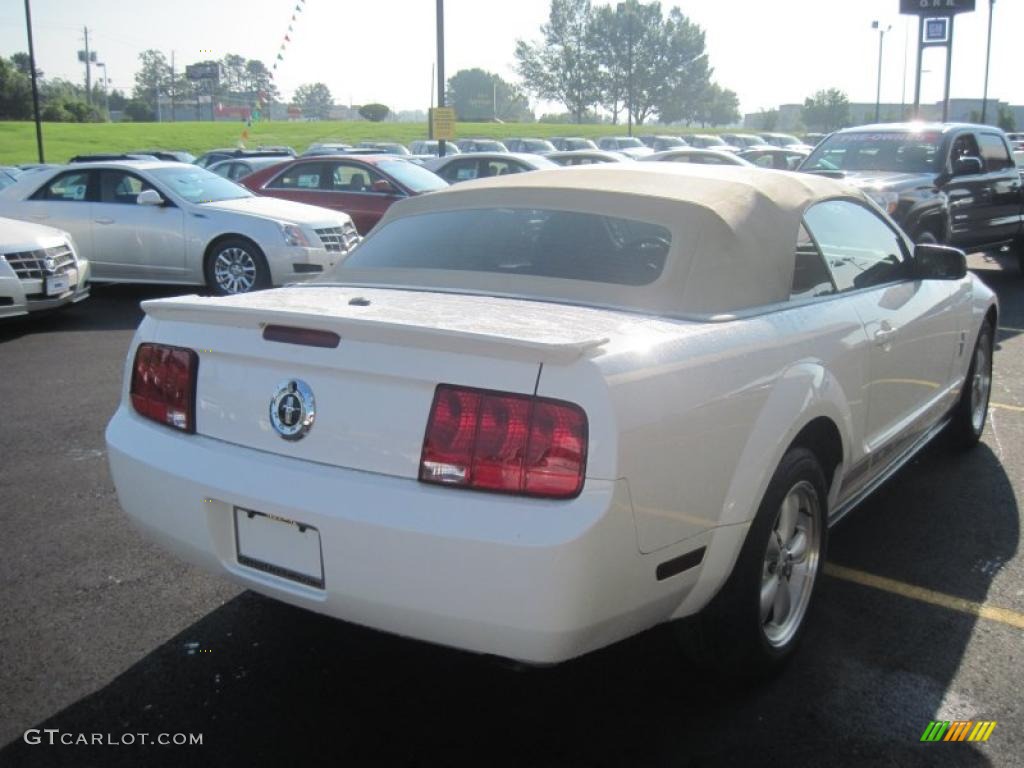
point(754, 624)
point(927, 238)
point(971, 410)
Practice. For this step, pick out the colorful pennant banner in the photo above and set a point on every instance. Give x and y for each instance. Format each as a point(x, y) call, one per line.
point(262, 98)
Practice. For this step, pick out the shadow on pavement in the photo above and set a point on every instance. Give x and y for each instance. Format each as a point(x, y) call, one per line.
point(269, 684)
point(109, 308)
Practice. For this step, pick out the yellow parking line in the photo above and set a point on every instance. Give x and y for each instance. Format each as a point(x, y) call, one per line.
point(992, 613)
point(1005, 407)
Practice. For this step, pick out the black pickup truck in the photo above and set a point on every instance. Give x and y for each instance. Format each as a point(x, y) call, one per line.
point(954, 184)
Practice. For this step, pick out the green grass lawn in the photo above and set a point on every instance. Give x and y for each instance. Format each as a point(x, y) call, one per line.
point(63, 140)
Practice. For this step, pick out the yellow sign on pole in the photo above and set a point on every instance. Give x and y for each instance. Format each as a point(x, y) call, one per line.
point(442, 123)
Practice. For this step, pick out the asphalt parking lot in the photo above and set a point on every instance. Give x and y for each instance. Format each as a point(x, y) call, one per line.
point(921, 618)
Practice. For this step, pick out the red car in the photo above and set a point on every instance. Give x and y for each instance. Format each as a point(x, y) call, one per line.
point(363, 186)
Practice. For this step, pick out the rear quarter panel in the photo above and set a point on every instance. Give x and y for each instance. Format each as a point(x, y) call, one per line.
point(696, 419)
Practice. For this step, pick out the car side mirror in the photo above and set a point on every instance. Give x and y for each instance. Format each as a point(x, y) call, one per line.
point(385, 186)
point(939, 262)
point(149, 197)
point(968, 166)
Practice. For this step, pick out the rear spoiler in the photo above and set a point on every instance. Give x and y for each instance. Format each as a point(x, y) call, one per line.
point(193, 309)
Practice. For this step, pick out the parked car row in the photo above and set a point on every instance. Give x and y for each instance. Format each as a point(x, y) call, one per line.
point(159, 222)
point(258, 218)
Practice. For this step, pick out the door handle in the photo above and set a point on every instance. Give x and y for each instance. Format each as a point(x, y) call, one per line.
point(104, 221)
point(884, 336)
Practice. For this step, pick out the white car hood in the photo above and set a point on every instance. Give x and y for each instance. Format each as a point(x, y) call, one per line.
point(22, 235)
point(280, 210)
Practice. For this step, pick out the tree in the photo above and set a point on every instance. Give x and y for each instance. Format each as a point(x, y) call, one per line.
point(152, 79)
point(315, 100)
point(717, 106)
point(1006, 119)
point(478, 95)
point(258, 80)
point(139, 111)
point(609, 40)
point(562, 66)
point(672, 69)
point(628, 56)
point(725, 107)
point(768, 119)
point(24, 65)
point(15, 93)
point(375, 113)
point(827, 110)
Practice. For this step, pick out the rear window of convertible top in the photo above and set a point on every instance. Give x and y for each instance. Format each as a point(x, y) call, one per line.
point(518, 241)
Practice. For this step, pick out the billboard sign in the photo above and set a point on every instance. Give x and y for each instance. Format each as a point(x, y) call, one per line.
point(936, 7)
point(207, 70)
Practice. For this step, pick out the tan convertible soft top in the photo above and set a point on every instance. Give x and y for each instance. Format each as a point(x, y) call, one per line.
point(734, 231)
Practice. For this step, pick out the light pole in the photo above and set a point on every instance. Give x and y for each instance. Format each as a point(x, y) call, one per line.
point(627, 14)
point(440, 68)
point(988, 58)
point(878, 93)
point(35, 86)
point(106, 87)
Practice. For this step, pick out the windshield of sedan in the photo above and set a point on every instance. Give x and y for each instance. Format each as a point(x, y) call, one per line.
point(877, 151)
point(412, 176)
point(197, 185)
point(629, 143)
point(784, 140)
point(517, 241)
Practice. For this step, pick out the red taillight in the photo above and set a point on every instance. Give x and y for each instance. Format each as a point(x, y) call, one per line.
point(164, 385)
point(496, 441)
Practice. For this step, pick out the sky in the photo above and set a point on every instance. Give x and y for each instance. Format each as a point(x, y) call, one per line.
point(770, 53)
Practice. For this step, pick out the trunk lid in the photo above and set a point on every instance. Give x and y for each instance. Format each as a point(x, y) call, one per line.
point(374, 390)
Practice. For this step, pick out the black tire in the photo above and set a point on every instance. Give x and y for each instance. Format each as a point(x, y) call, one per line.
point(729, 634)
point(253, 273)
point(926, 238)
point(1017, 249)
point(968, 422)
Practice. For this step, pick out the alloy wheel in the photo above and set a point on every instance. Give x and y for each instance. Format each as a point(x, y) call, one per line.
point(790, 564)
point(981, 385)
point(235, 270)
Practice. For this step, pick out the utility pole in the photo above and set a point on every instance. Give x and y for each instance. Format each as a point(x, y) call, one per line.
point(917, 72)
point(440, 68)
point(106, 86)
point(88, 69)
point(988, 58)
point(878, 94)
point(172, 86)
point(35, 85)
point(949, 71)
point(903, 93)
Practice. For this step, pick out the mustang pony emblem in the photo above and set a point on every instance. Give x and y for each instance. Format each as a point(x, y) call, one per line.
point(293, 409)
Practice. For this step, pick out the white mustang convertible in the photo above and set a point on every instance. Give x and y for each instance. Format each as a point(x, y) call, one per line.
point(533, 415)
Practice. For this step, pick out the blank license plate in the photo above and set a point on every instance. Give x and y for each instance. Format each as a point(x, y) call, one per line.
point(57, 284)
point(278, 546)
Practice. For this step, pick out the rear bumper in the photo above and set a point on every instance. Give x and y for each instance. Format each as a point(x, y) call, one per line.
point(534, 580)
